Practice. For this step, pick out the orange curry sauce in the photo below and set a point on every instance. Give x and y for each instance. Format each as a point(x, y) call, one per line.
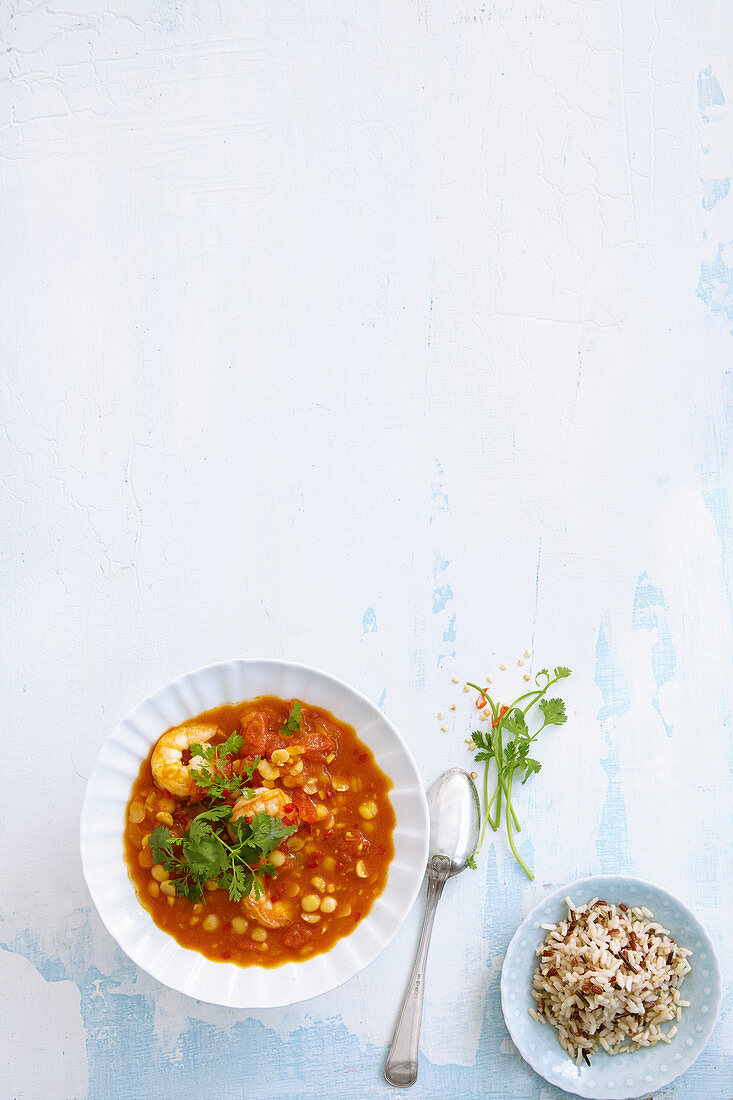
point(331, 870)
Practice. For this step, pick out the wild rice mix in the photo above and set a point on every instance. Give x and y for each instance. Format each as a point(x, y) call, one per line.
point(609, 976)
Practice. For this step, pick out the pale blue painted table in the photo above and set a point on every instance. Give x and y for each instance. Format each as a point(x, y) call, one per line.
point(394, 339)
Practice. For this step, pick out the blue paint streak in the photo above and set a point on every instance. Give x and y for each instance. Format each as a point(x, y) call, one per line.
point(650, 613)
point(715, 285)
point(609, 677)
point(713, 191)
point(439, 564)
point(441, 596)
point(709, 93)
point(382, 699)
point(369, 621)
point(438, 494)
point(612, 843)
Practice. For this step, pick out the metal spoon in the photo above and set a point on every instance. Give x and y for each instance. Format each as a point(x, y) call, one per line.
point(455, 816)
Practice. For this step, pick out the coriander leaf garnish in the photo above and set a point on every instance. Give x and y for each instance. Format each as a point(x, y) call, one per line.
point(553, 711)
point(216, 775)
point(235, 856)
point(512, 756)
point(294, 720)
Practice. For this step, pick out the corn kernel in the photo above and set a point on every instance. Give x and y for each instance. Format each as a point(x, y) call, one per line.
point(319, 883)
point(360, 869)
point(368, 810)
point(266, 770)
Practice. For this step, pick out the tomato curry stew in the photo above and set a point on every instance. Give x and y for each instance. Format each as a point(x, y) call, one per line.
point(259, 833)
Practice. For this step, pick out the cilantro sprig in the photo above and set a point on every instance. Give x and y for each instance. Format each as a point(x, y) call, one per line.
point(294, 720)
point(215, 774)
point(235, 853)
point(512, 755)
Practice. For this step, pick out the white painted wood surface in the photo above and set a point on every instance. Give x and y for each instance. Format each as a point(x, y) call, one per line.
point(394, 338)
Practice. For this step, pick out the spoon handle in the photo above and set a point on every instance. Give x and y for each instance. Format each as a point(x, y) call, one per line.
point(401, 1067)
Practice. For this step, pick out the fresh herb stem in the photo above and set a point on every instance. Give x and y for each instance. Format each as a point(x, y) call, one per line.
point(512, 756)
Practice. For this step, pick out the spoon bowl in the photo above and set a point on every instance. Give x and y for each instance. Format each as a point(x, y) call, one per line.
point(455, 816)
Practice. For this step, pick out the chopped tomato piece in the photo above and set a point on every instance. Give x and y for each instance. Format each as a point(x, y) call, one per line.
point(305, 806)
point(316, 745)
point(259, 739)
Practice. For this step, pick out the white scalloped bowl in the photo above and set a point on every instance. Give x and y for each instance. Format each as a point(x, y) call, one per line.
point(102, 824)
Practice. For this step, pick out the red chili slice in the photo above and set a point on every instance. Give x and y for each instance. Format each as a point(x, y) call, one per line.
point(495, 721)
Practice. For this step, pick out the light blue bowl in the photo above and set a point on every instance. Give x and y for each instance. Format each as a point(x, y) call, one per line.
point(622, 1076)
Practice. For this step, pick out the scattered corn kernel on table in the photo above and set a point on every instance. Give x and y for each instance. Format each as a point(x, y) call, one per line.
point(394, 339)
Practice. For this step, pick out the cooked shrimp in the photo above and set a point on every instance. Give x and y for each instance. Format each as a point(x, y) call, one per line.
point(270, 914)
point(169, 771)
point(265, 800)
